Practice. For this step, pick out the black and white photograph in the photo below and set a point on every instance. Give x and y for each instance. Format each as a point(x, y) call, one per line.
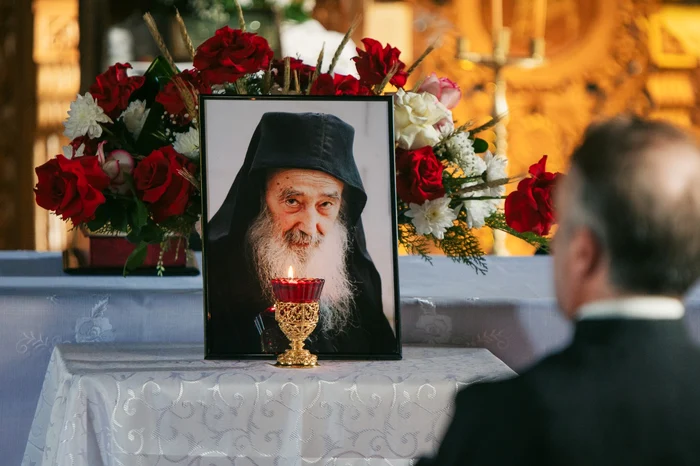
point(299, 188)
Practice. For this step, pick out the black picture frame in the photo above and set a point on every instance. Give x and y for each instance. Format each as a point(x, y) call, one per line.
point(286, 101)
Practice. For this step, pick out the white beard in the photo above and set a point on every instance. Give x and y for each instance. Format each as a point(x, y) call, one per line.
point(324, 257)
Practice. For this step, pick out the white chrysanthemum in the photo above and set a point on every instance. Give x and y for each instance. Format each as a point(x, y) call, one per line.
point(84, 118)
point(496, 166)
point(415, 117)
point(433, 217)
point(497, 191)
point(69, 153)
point(479, 209)
point(135, 117)
point(187, 143)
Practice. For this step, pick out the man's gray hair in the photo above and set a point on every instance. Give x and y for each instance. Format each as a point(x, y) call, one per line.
point(646, 220)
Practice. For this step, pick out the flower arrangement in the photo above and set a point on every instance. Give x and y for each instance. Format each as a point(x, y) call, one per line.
point(132, 166)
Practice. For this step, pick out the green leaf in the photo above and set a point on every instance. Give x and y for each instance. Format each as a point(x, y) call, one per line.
point(497, 221)
point(138, 216)
point(101, 218)
point(136, 258)
point(480, 145)
point(149, 139)
point(118, 217)
point(295, 12)
point(134, 237)
point(157, 76)
point(152, 233)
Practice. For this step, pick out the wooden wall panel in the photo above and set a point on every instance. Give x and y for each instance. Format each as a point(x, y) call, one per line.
point(17, 120)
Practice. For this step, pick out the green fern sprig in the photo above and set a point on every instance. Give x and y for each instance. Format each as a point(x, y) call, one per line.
point(460, 245)
point(413, 243)
point(497, 221)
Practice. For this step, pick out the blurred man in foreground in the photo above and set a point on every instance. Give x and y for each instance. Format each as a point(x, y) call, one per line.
point(627, 389)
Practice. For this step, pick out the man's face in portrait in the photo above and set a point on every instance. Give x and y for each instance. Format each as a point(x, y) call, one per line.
point(301, 225)
point(304, 205)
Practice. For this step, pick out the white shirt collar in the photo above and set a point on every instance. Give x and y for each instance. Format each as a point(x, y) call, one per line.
point(637, 307)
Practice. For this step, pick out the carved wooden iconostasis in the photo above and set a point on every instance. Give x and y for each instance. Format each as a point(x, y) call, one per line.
point(603, 57)
point(597, 65)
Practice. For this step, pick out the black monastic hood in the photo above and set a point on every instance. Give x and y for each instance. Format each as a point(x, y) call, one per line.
point(313, 141)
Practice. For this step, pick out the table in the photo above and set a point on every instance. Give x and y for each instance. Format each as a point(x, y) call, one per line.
point(146, 405)
point(511, 311)
point(41, 307)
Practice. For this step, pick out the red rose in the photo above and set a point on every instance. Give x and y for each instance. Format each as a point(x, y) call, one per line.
point(323, 85)
point(419, 175)
point(374, 63)
point(171, 98)
point(71, 187)
point(230, 54)
point(529, 208)
point(339, 84)
point(90, 145)
point(159, 184)
point(303, 71)
point(113, 88)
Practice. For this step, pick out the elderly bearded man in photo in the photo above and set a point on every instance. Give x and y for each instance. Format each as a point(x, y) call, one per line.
point(297, 202)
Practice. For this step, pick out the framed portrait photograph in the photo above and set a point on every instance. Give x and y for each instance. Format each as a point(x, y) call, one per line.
point(299, 189)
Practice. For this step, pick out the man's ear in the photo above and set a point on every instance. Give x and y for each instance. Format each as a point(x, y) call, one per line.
point(587, 255)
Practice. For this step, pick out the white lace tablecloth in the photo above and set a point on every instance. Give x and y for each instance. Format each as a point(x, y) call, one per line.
point(150, 405)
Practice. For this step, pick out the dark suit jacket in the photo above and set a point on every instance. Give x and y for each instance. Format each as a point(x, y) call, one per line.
point(625, 392)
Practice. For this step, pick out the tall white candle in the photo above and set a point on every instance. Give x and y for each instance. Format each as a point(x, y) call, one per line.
point(540, 20)
point(496, 15)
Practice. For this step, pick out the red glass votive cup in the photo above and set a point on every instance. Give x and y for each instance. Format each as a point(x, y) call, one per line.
point(297, 290)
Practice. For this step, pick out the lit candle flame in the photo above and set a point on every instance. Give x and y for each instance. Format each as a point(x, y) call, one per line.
point(290, 272)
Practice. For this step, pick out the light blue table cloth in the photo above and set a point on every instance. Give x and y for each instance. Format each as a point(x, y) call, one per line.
point(510, 311)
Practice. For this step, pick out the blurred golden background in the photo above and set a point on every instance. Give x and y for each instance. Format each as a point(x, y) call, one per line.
point(602, 57)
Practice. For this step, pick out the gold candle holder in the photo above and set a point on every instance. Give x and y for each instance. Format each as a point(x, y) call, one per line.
point(297, 313)
point(297, 321)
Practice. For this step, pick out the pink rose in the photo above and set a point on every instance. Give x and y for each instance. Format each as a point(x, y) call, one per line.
point(116, 165)
point(447, 91)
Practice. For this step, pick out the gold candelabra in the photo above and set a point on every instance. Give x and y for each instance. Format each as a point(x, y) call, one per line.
point(498, 61)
